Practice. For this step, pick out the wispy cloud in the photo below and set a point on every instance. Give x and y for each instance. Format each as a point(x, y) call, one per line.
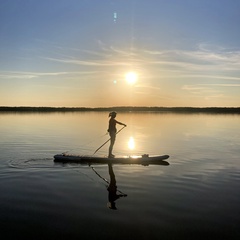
point(204, 63)
point(199, 90)
point(27, 75)
point(209, 91)
point(221, 85)
point(199, 59)
point(32, 75)
point(207, 76)
point(205, 87)
point(203, 57)
point(88, 63)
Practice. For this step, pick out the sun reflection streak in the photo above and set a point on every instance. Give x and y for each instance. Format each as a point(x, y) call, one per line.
point(131, 143)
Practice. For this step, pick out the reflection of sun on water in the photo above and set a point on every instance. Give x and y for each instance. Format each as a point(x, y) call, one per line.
point(131, 143)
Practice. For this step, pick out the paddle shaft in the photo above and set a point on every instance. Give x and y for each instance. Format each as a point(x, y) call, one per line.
point(109, 139)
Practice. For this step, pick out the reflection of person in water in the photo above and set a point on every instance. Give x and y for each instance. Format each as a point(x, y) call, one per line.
point(112, 189)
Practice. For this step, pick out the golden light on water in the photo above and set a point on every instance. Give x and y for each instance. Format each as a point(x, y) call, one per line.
point(131, 143)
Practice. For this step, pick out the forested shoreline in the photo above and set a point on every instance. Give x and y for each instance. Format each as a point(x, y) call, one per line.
point(225, 110)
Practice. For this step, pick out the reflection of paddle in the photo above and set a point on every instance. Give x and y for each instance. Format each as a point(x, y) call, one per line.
point(105, 180)
point(109, 139)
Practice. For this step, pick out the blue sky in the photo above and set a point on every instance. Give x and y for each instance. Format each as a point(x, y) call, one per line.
point(77, 53)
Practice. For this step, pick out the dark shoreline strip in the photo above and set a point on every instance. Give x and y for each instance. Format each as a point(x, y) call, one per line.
point(224, 110)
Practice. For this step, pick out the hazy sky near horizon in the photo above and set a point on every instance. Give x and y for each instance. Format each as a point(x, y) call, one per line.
point(77, 52)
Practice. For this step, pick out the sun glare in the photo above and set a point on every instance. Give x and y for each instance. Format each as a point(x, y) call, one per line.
point(131, 78)
point(131, 143)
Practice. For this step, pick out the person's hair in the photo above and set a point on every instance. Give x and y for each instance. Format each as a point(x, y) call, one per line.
point(111, 114)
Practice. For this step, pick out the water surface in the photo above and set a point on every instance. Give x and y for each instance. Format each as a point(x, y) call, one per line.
point(195, 197)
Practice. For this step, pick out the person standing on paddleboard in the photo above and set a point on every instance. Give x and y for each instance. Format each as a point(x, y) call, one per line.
point(112, 131)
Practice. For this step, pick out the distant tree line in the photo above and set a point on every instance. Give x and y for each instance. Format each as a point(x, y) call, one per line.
point(225, 110)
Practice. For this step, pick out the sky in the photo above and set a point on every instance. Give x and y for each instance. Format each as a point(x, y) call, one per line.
point(76, 53)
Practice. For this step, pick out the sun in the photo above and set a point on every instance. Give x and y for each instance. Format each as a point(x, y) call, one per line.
point(131, 78)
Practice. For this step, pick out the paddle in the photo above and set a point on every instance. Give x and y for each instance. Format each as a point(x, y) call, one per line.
point(109, 139)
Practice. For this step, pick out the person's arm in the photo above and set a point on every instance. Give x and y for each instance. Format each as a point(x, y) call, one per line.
point(121, 123)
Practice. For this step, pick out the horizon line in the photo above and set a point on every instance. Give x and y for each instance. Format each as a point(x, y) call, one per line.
point(123, 109)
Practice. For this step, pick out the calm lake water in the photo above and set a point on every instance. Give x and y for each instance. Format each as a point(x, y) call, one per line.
point(195, 197)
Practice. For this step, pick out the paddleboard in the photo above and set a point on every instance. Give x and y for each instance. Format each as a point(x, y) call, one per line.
point(143, 159)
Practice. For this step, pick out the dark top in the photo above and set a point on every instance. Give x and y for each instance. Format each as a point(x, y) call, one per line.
point(112, 125)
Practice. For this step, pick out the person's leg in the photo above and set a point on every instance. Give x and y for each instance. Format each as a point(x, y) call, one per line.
point(112, 141)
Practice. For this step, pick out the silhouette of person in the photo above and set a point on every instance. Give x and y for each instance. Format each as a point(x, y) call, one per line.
point(112, 189)
point(112, 131)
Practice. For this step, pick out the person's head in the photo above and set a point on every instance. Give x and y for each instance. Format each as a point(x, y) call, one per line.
point(112, 114)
